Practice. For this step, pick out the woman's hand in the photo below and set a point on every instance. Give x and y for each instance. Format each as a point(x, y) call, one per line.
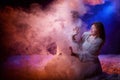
point(72, 53)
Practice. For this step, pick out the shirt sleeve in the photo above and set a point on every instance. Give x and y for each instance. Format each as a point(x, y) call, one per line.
point(92, 53)
point(83, 37)
point(95, 47)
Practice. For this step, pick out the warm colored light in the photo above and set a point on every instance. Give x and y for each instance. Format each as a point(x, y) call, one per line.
point(94, 2)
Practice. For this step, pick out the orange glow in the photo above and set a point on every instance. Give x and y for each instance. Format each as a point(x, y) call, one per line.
point(94, 2)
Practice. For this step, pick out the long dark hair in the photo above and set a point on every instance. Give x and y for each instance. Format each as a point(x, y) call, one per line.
point(101, 30)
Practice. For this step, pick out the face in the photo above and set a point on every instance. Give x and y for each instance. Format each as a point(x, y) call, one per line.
point(93, 30)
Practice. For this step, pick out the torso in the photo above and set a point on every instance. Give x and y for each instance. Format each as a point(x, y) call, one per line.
point(89, 42)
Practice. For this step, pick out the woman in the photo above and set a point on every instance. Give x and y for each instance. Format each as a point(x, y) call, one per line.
point(89, 47)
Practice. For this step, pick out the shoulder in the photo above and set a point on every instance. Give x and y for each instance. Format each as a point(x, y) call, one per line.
point(86, 33)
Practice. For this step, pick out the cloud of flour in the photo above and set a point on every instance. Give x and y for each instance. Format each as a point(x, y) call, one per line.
point(40, 31)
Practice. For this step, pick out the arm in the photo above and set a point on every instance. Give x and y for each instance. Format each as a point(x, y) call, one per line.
point(95, 47)
point(74, 53)
point(80, 40)
point(92, 52)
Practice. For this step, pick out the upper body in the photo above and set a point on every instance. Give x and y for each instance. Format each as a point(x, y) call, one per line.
point(90, 43)
point(89, 47)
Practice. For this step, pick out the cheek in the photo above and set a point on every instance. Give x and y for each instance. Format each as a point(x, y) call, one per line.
point(93, 31)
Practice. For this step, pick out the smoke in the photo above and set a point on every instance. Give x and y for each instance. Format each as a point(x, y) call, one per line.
point(45, 31)
point(40, 31)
